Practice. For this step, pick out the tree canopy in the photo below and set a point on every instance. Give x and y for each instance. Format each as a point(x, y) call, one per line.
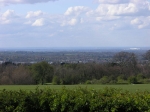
point(42, 72)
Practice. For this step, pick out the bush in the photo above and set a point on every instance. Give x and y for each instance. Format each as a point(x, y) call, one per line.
point(88, 82)
point(78, 100)
point(55, 80)
point(104, 80)
point(132, 80)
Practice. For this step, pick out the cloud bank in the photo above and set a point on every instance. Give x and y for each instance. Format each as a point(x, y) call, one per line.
point(135, 13)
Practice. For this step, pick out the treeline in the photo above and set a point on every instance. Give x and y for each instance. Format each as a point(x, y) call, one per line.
point(124, 68)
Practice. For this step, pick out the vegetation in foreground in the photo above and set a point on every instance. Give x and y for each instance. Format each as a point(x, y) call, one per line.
point(74, 100)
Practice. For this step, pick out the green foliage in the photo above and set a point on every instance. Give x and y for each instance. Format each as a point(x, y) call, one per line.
point(121, 80)
point(77, 100)
point(56, 80)
point(104, 80)
point(88, 82)
point(132, 80)
point(146, 81)
point(42, 72)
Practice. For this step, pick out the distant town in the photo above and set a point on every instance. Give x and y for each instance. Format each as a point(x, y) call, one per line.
point(59, 56)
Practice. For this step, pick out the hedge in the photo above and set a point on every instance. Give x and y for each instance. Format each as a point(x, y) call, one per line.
point(77, 100)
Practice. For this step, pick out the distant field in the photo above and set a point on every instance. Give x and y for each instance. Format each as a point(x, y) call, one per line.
point(131, 87)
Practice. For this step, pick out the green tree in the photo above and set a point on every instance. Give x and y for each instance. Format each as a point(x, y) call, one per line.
point(42, 72)
point(132, 79)
point(56, 80)
point(104, 80)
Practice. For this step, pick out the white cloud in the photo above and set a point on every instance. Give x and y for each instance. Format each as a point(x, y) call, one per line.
point(141, 22)
point(114, 10)
point(32, 14)
point(37, 18)
point(8, 13)
point(143, 25)
point(80, 21)
point(77, 10)
point(71, 22)
point(74, 15)
point(125, 10)
point(38, 22)
point(106, 18)
point(7, 17)
point(108, 11)
point(7, 2)
point(136, 21)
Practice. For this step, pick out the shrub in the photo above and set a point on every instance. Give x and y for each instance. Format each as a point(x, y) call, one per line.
point(132, 79)
point(88, 82)
point(104, 80)
point(77, 100)
point(55, 80)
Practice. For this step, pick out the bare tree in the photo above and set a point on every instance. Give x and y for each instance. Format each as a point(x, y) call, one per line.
point(126, 60)
point(21, 75)
point(147, 55)
point(5, 80)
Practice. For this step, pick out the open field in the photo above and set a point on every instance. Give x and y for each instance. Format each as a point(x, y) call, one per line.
point(131, 87)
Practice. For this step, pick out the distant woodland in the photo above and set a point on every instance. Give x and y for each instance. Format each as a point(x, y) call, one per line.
point(86, 68)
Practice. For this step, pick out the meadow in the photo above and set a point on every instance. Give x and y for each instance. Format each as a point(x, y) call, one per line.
point(128, 87)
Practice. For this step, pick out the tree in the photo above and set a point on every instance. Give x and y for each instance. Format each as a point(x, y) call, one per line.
point(5, 80)
point(132, 80)
point(42, 72)
point(126, 60)
point(21, 75)
point(147, 55)
point(56, 80)
point(104, 80)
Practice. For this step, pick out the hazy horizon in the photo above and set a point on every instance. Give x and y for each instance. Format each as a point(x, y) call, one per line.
point(87, 49)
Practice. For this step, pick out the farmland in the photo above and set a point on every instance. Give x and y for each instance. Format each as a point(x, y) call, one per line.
point(128, 87)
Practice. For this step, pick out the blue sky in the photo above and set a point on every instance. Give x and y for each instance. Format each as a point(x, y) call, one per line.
point(74, 23)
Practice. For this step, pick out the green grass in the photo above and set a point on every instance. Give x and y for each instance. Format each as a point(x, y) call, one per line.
point(130, 87)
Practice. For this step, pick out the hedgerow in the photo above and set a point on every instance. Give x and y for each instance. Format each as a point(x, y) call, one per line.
point(74, 100)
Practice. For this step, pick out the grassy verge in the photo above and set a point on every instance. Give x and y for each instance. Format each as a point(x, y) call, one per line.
point(130, 87)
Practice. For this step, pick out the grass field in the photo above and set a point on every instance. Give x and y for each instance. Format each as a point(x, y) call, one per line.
point(131, 87)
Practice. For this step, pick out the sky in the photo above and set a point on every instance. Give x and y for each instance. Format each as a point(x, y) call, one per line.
point(74, 23)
